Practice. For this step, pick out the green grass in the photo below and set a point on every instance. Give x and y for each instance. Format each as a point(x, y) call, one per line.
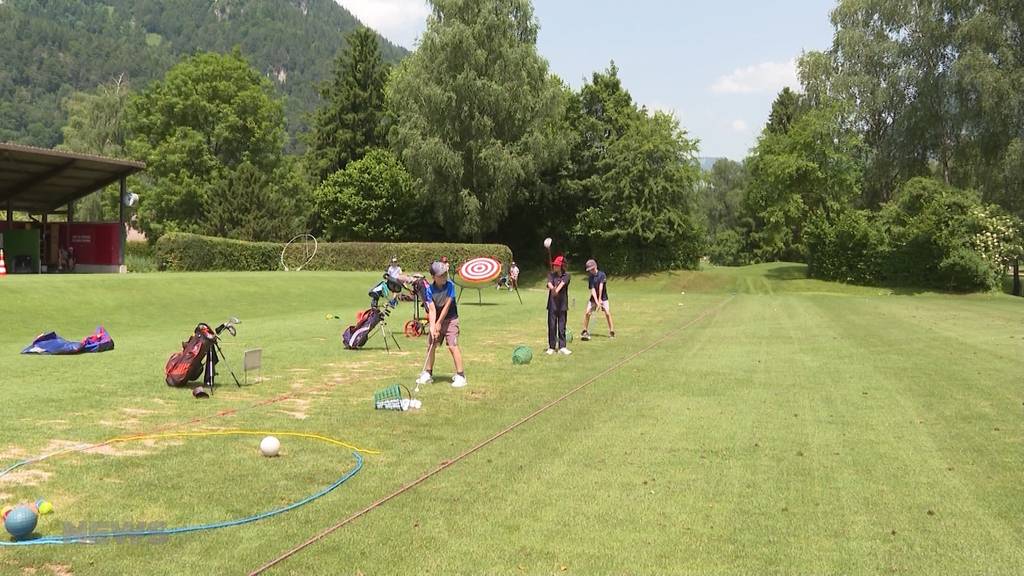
point(797, 426)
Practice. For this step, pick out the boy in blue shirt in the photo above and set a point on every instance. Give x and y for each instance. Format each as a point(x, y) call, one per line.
point(443, 322)
point(598, 299)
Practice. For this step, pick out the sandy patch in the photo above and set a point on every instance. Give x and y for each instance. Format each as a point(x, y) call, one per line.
point(25, 477)
point(137, 411)
point(59, 569)
point(298, 408)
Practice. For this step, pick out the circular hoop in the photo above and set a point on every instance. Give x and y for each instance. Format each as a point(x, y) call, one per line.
point(480, 270)
point(94, 537)
point(305, 254)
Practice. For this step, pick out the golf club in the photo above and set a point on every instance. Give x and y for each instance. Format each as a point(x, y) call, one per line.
point(430, 350)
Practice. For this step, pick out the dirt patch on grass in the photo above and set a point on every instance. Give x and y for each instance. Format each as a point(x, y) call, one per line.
point(25, 477)
point(138, 411)
point(48, 569)
point(298, 408)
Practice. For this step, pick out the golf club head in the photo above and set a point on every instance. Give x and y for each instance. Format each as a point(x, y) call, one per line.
point(231, 330)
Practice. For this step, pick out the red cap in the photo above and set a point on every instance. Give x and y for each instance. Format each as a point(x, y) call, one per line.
point(558, 261)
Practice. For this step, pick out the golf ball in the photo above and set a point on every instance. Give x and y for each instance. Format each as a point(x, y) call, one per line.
point(270, 446)
point(547, 242)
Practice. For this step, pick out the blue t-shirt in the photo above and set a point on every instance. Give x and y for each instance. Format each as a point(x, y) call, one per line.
point(441, 296)
point(598, 279)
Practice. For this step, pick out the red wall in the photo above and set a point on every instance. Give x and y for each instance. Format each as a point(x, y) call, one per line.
point(98, 244)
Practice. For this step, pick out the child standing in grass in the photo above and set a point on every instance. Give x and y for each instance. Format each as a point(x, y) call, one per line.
point(513, 276)
point(598, 299)
point(558, 306)
point(443, 322)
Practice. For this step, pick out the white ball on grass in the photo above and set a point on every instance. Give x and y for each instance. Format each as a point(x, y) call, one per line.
point(270, 446)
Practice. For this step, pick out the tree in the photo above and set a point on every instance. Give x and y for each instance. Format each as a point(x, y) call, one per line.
point(785, 111)
point(98, 124)
point(251, 204)
point(209, 115)
point(643, 217)
point(350, 120)
point(372, 199)
point(478, 114)
point(813, 169)
point(722, 195)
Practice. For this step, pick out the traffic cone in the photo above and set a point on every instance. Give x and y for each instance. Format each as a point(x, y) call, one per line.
point(3, 265)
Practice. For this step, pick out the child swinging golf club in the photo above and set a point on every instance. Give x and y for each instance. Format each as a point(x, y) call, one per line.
point(443, 322)
point(558, 306)
point(598, 300)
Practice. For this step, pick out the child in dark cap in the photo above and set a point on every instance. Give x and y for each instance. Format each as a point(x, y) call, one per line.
point(598, 299)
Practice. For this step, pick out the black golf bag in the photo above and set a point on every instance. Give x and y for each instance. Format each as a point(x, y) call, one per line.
point(355, 336)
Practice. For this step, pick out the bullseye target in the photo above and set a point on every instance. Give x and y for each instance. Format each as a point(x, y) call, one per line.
point(480, 270)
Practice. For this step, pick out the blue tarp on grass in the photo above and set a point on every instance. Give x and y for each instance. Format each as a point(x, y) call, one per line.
point(51, 343)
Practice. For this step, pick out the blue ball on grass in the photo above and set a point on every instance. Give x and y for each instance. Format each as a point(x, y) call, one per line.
point(20, 522)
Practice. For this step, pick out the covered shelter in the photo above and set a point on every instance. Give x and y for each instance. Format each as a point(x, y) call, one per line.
point(41, 183)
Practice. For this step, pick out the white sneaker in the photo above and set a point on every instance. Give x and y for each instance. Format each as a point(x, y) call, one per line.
point(549, 351)
point(458, 381)
point(565, 351)
point(425, 378)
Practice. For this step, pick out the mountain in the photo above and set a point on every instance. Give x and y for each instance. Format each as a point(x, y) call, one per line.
point(53, 48)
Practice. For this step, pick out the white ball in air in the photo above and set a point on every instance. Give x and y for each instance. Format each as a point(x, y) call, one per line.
point(547, 242)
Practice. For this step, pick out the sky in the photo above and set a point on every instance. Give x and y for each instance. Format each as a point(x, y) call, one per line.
point(717, 65)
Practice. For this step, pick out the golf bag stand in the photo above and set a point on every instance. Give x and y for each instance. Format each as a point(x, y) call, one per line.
point(383, 327)
point(215, 354)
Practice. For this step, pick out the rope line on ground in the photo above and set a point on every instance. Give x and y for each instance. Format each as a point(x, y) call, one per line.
point(448, 463)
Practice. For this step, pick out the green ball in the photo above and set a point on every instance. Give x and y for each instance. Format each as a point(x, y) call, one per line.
point(522, 355)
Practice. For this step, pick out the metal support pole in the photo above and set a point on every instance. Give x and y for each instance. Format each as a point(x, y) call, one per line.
point(43, 255)
point(121, 221)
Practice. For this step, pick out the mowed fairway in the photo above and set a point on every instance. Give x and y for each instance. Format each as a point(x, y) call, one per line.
point(778, 426)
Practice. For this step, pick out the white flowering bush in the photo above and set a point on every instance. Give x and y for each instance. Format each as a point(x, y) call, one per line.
point(998, 236)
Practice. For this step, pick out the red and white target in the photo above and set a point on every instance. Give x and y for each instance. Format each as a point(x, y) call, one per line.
point(480, 270)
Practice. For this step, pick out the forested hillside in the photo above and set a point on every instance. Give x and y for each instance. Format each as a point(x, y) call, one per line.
point(53, 48)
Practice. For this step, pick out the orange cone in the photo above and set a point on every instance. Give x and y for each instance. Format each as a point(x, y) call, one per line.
point(3, 265)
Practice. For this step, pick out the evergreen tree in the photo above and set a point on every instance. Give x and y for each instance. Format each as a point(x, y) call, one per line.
point(351, 119)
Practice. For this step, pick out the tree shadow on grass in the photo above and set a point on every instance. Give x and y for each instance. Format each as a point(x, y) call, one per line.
point(787, 272)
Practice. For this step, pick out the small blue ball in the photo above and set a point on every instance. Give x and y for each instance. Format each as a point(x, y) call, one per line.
point(21, 522)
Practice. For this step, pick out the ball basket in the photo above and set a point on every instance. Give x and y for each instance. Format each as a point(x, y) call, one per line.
point(391, 398)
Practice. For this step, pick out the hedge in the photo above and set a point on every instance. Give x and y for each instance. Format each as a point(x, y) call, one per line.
point(181, 252)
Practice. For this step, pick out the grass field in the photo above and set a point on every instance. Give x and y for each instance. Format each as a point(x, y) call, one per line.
point(779, 426)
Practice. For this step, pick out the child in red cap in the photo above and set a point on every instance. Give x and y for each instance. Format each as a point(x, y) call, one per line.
point(558, 306)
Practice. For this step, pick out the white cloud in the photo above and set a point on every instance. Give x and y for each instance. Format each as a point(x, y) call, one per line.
point(739, 125)
point(401, 21)
point(763, 77)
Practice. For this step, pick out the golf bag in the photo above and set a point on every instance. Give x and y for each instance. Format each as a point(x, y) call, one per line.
point(355, 336)
point(186, 366)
